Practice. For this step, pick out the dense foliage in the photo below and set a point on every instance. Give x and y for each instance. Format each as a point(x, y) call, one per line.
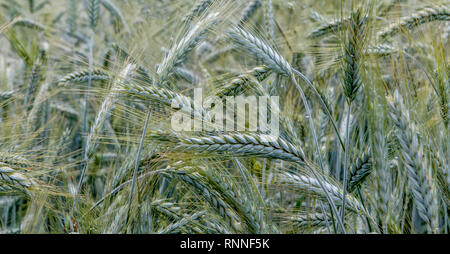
point(88, 90)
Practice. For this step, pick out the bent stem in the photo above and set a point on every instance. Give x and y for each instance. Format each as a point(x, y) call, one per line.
point(324, 105)
point(316, 143)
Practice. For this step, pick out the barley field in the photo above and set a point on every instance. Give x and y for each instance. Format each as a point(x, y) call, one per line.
point(91, 93)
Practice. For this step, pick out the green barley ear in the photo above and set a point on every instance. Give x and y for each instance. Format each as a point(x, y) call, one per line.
point(185, 44)
point(18, 47)
point(5, 95)
point(236, 144)
point(361, 169)
point(116, 13)
point(93, 10)
point(380, 50)
point(36, 77)
point(444, 188)
point(243, 82)
point(332, 27)
point(269, 56)
point(442, 88)
point(352, 82)
point(29, 23)
point(425, 15)
point(165, 96)
point(308, 184)
point(308, 220)
point(352, 55)
point(410, 149)
point(83, 76)
point(326, 29)
point(11, 180)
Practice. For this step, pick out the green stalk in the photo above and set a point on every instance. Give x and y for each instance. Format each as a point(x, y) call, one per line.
point(85, 113)
point(136, 164)
point(346, 169)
